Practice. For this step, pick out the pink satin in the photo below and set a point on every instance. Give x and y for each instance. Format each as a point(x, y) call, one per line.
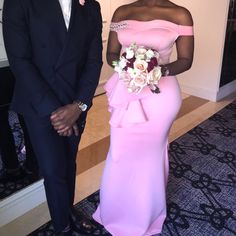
point(133, 189)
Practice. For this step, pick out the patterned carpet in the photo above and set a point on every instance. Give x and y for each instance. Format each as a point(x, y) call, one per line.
point(201, 194)
point(18, 136)
point(9, 186)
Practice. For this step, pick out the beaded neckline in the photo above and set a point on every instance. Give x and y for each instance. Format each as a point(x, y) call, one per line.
point(149, 21)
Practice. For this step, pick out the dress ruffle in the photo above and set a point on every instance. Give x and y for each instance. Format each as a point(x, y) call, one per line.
point(126, 108)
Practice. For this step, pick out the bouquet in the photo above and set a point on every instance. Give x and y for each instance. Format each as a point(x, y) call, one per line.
point(138, 67)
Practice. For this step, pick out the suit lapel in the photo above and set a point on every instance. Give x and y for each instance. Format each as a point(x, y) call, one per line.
point(72, 16)
point(59, 15)
point(75, 33)
point(77, 26)
point(50, 12)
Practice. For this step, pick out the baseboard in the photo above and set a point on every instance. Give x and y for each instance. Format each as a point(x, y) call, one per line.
point(204, 93)
point(226, 90)
point(209, 94)
point(21, 202)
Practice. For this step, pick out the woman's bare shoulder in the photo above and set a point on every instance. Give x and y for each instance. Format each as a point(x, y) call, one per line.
point(181, 15)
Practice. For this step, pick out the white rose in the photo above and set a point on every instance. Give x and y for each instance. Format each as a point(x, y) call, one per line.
point(141, 50)
point(140, 57)
point(155, 75)
point(125, 77)
point(133, 72)
point(129, 53)
point(140, 53)
point(140, 65)
point(122, 63)
point(132, 88)
point(150, 54)
point(133, 46)
point(137, 84)
point(157, 55)
point(140, 80)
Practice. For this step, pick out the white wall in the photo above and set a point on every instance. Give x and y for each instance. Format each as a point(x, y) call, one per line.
point(116, 3)
point(210, 20)
point(106, 71)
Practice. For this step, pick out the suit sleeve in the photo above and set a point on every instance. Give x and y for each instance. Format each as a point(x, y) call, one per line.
point(19, 51)
point(91, 73)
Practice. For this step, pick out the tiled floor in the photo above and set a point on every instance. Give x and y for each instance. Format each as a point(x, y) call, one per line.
point(93, 149)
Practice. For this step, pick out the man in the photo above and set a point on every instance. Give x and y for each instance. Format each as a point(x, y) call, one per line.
point(55, 52)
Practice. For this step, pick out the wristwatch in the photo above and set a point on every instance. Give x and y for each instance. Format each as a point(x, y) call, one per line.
point(165, 71)
point(82, 106)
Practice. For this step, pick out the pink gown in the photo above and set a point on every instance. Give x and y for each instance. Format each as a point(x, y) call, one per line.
point(133, 188)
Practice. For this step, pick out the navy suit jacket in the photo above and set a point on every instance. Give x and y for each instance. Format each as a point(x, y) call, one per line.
point(53, 66)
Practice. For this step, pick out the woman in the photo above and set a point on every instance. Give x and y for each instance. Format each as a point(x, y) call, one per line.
point(132, 196)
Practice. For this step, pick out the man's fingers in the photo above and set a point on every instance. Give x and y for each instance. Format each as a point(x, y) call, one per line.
point(70, 132)
point(60, 126)
point(76, 130)
point(66, 133)
point(65, 129)
point(54, 114)
point(56, 117)
point(57, 114)
point(57, 123)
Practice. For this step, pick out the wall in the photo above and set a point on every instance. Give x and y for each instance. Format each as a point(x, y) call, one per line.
point(210, 20)
point(106, 70)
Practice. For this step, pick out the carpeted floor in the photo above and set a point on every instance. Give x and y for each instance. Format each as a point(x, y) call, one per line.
point(10, 184)
point(201, 193)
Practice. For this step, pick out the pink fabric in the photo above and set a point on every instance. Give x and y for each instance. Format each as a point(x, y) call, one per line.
point(133, 189)
point(185, 30)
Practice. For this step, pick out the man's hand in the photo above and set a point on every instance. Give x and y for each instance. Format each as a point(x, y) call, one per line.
point(64, 118)
point(68, 133)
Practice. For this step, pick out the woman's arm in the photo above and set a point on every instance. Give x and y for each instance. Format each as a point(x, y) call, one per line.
point(184, 46)
point(114, 46)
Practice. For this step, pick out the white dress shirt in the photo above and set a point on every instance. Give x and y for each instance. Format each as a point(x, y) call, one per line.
point(66, 10)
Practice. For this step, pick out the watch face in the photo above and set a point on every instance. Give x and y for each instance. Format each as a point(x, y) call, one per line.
point(167, 72)
point(83, 107)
